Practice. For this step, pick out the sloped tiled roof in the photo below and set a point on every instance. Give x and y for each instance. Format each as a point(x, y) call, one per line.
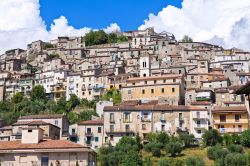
point(92, 122)
point(45, 144)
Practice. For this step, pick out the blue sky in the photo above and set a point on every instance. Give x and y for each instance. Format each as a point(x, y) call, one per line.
point(128, 14)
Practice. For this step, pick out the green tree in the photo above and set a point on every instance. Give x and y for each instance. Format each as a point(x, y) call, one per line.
point(195, 161)
point(211, 137)
point(186, 39)
point(236, 138)
point(236, 159)
point(17, 98)
point(245, 138)
point(162, 137)
point(38, 93)
point(174, 148)
point(227, 139)
point(73, 102)
point(113, 94)
point(96, 38)
point(187, 139)
point(233, 148)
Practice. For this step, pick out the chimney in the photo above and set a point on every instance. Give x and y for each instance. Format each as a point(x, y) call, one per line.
point(32, 135)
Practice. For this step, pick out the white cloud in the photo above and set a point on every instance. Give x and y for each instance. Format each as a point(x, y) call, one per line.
point(225, 22)
point(112, 28)
point(21, 23)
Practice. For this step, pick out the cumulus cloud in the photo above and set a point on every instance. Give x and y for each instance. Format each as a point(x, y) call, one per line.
point(112, 28)
point(224, 22)
point(21, 23)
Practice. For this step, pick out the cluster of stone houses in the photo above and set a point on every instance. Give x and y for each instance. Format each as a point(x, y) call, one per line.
point(166, 86)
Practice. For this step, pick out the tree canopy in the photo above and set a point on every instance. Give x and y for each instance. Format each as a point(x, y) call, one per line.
point(100, 37)
point(186, 39)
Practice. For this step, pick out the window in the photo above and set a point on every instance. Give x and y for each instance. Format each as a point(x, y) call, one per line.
point(199, 131)
point(88, 130)
point(152, 91)
point(222, 96)
point(237, 118)
point(126, 117)
point(23, 159)
point(127, 127)
point(179, 71)
point(111, 127)
point(174, 80)
point(129, 92)
point(111, 117)
point(162, 127)
point(222, 118)
point(145, 82)
point(99, 129)
point(29, 131)
point(143, 91)
point(173, 89)
point(96, 139)
point(155, 81)
point(56, 122)
point(164, 81)
point(111, 138)
point(162, 90)
point(143, 126)
point(144, 75)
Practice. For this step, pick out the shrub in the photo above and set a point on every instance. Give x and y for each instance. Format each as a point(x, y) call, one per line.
point(195, 161)
point(156, 152)
point(236, 138)
point(152, 145)
point(217, 152)
point(235, 148)
point(174, 148)
point(236, 159)
point(245, 138)
point(227, 139)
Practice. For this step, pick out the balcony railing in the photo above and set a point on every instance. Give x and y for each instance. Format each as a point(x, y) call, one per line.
point(231, 130)
point(89, 133)
point(146, 119)
point(199, 116)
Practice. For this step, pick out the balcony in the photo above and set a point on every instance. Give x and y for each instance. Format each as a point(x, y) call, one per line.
point(200, 126)
point(88, 143)
point(89, 134)
point(198, 116)
point(146, 119)
point(119, 131)
point(231, 130)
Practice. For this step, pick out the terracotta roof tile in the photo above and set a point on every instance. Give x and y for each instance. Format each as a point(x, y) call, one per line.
point(92, 122)
point(230, 109)
point(45, 144)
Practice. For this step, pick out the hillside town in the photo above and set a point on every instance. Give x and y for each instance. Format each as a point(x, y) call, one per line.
point(165, 86)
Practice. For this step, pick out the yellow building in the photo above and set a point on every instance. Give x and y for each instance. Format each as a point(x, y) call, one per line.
point(169, 88)
point(59, 91)
point(230, 119)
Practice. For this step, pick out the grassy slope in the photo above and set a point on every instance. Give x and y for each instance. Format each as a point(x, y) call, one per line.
point(186, 153)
